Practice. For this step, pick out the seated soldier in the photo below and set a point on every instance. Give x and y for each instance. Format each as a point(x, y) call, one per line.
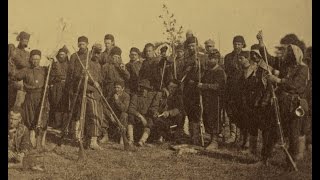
point(172, 112)
point(120, 104)
point(18, 139)
point(143, 109)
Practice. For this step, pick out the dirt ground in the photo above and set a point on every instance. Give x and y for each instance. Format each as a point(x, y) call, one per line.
point(157, 162)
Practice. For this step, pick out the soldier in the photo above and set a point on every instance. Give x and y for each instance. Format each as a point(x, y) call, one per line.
point(292, 83)
point(57, 92)
point(179, 62)
point(110, 44)
point(150, 67)
point(212, 86)
point(133, 67)
point(256, 109)
point(75, 77)
point(34, 81)
point(234, 72)
point(191, 92)
point(171, 112)
point(143, 108)
point(18, 138)
point(21, 60)
point(120, 104)
point(13, 86)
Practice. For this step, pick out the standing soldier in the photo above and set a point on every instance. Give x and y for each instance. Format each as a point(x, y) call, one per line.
point(151, 68)
point(133, 67)
point(120, 104)
point(212, 86)
point(143, 109)
point(114, 71)
point(233, 70)
point(34, 79)
point(57, 92)
point(179, 62)
point(21, 60)
point(110, 44)
point(191, 92)
point(75, 76)
point(13, 86)
point(292, 85)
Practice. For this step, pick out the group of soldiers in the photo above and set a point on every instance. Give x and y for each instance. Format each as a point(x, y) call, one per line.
point(93, 91)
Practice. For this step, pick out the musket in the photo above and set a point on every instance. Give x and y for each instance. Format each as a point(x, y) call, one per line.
point(277, 112)
point(162, 74)
point(174, 60)
point(202, 130)
point(120, 126)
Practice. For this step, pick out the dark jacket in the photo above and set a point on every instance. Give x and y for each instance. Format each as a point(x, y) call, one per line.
point(133, 68)
point(145, 105)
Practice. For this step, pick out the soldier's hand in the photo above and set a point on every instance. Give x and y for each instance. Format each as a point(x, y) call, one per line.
point(143, 120)
point(200, 85)
point(165, 114)
point(122, 67)
point(191, 81)
point(116, 96)
point(273, 78)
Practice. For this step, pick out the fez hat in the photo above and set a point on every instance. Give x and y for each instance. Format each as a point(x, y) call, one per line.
point(239, 39)
point(83, 39)
point(134, 49)
point(35, 52)
point(192, 39)
point(109, 36)
point(145, 83)
point(115, 51)
point(63, 49)
point(23, 35)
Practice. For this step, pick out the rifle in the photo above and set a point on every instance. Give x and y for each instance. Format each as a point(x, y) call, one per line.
point(174, 60)
point(274, 99)
point(39, 122)
point(202, 130)
point(120, 126)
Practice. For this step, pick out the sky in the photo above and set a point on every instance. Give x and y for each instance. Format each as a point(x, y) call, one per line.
point(135, 23)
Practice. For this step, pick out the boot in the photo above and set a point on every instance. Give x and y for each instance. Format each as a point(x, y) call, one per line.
point(213, 144)
point(93, 144)
point(39, 141)
point(43, 140)
point(105, 139)
point(186, 126)
point(77, 130)
point(130, 134)
point(145, 136)
point(245, 140)
point(121, 140)
point(301, 147)
point(253, 142)
point(233, 130)
point(33, 138)
point(195, 133)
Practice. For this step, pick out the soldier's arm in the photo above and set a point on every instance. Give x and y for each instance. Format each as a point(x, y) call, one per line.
point(133, 106)
point(154, 106)
point(123, 104)
point(298, 81)
point(25, 145)
point(178, 107)
point(20, 75)
point(125, 74)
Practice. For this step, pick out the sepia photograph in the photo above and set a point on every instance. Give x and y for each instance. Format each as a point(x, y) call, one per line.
point(159, 89)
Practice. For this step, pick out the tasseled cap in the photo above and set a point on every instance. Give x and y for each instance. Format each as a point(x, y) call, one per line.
point(83, 39)
point(35, 52)
point(23, 35)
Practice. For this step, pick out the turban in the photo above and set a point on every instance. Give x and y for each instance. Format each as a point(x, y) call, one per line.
point(191, 40)
point(63, 49)
point(115, 51)
point(239, 39)
point(209, 42)
point(83, 39)
point(23, 35)
point(134, 49)
point(35, 52)
point(109, 36)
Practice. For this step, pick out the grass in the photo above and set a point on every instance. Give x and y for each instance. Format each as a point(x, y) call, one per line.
point(158, 162)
